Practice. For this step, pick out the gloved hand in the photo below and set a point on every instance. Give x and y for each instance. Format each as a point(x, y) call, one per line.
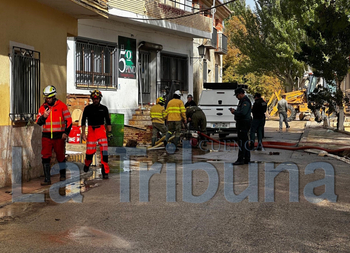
point(110, 136)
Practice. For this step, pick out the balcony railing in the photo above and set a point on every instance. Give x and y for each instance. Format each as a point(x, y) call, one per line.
point(211, 43)
point(185, 5)
point(222, 44)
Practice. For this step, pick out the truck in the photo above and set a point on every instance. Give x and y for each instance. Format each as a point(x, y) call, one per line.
point(215, 102)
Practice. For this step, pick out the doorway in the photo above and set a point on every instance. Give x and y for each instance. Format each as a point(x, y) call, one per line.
point(144, 70)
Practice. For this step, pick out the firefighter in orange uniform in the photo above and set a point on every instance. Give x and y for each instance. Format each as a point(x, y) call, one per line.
point(56, 120)
point(97, 116)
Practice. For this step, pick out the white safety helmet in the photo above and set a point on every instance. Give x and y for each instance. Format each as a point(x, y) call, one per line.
point(178, 93)
point(49, 91)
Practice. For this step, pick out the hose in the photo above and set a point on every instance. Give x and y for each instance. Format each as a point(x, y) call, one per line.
point(160, 142)
point(280, 145)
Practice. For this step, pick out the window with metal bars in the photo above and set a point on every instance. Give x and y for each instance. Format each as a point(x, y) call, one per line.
point(25, 87)
point(96, 65)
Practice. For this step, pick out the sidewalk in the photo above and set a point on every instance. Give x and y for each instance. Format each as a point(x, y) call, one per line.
point(313, 135)
point(316, 135)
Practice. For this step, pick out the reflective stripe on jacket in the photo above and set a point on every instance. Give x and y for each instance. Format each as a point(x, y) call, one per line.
point(175, 110)
point(158, 114)
point(59, 115)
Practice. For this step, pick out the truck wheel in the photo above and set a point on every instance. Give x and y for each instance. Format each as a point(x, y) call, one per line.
point(291, 113)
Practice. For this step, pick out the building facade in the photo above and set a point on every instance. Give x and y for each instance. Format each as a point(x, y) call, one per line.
point(150, 52)
point(33, 54)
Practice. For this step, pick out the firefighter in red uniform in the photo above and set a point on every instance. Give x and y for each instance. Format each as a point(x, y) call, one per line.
point(56, 120)
point(97, 115)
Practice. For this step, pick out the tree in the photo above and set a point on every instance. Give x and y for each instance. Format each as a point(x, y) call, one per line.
point(327, 51)
point(269, 40)
point(263, 84)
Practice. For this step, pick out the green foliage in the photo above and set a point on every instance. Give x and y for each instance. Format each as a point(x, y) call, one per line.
point(263, 84)
point(268, 40)
point(327, 51)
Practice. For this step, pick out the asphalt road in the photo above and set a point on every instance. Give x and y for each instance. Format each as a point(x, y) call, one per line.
point(171, 222)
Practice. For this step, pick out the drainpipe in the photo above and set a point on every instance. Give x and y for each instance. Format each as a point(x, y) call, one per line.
point(213, 10)
point(140, 78)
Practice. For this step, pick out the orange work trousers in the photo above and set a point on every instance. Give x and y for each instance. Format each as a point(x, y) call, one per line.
point(97, 135)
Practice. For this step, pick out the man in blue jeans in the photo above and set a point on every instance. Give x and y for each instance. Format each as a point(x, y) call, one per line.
point(282, 107)
point(258, 110)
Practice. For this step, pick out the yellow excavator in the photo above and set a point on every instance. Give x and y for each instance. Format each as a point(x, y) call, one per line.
point(297, 103)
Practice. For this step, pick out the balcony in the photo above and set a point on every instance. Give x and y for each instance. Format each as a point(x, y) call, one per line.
point(211, 43)
point(179, 16)
point(222, 44)
point(80, 8)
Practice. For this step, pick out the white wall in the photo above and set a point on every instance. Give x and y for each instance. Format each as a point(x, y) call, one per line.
point(125, 98)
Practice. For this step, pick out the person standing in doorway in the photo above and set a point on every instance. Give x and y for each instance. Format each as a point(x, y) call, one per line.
point(282, 107)
point(158, 120)
point(243, 122)
point(97, 116)
point(175, 114)
point(258, 110)
point(56, 120)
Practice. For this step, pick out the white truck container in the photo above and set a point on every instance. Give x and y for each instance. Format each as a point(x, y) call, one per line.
point(215, 103)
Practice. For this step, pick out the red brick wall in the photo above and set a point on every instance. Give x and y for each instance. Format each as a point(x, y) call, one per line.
point(142, 137)
point(77, 101)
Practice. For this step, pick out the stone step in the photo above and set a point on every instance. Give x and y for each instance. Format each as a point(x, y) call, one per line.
point(140, 117)
point(147, 112)
point(140, 122)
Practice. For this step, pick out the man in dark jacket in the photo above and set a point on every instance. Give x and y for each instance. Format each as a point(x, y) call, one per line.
point(97, 116)
point(259, 109)
point(190, 101)
point(243, 122)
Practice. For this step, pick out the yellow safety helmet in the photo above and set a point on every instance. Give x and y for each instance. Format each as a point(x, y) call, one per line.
point(49, 91)
point(160, 100)
point(96, 94)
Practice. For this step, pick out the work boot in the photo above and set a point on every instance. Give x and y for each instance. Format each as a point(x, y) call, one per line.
point(167, 136)
point(154, 141)
point(176, 141)
point(63, 175)
point(238, 162)
point(104, 174)
point(47, 180)
point(86, 168)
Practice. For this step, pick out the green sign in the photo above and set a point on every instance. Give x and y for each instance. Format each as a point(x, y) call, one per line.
point(127, 57)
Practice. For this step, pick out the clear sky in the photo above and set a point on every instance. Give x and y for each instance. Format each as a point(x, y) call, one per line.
point(251, 3)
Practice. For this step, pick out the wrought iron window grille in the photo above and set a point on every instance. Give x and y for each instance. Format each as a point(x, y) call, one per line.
point(96, 65)
point(25, 86)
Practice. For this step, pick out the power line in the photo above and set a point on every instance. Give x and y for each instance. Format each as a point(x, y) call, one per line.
point(187, 15)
